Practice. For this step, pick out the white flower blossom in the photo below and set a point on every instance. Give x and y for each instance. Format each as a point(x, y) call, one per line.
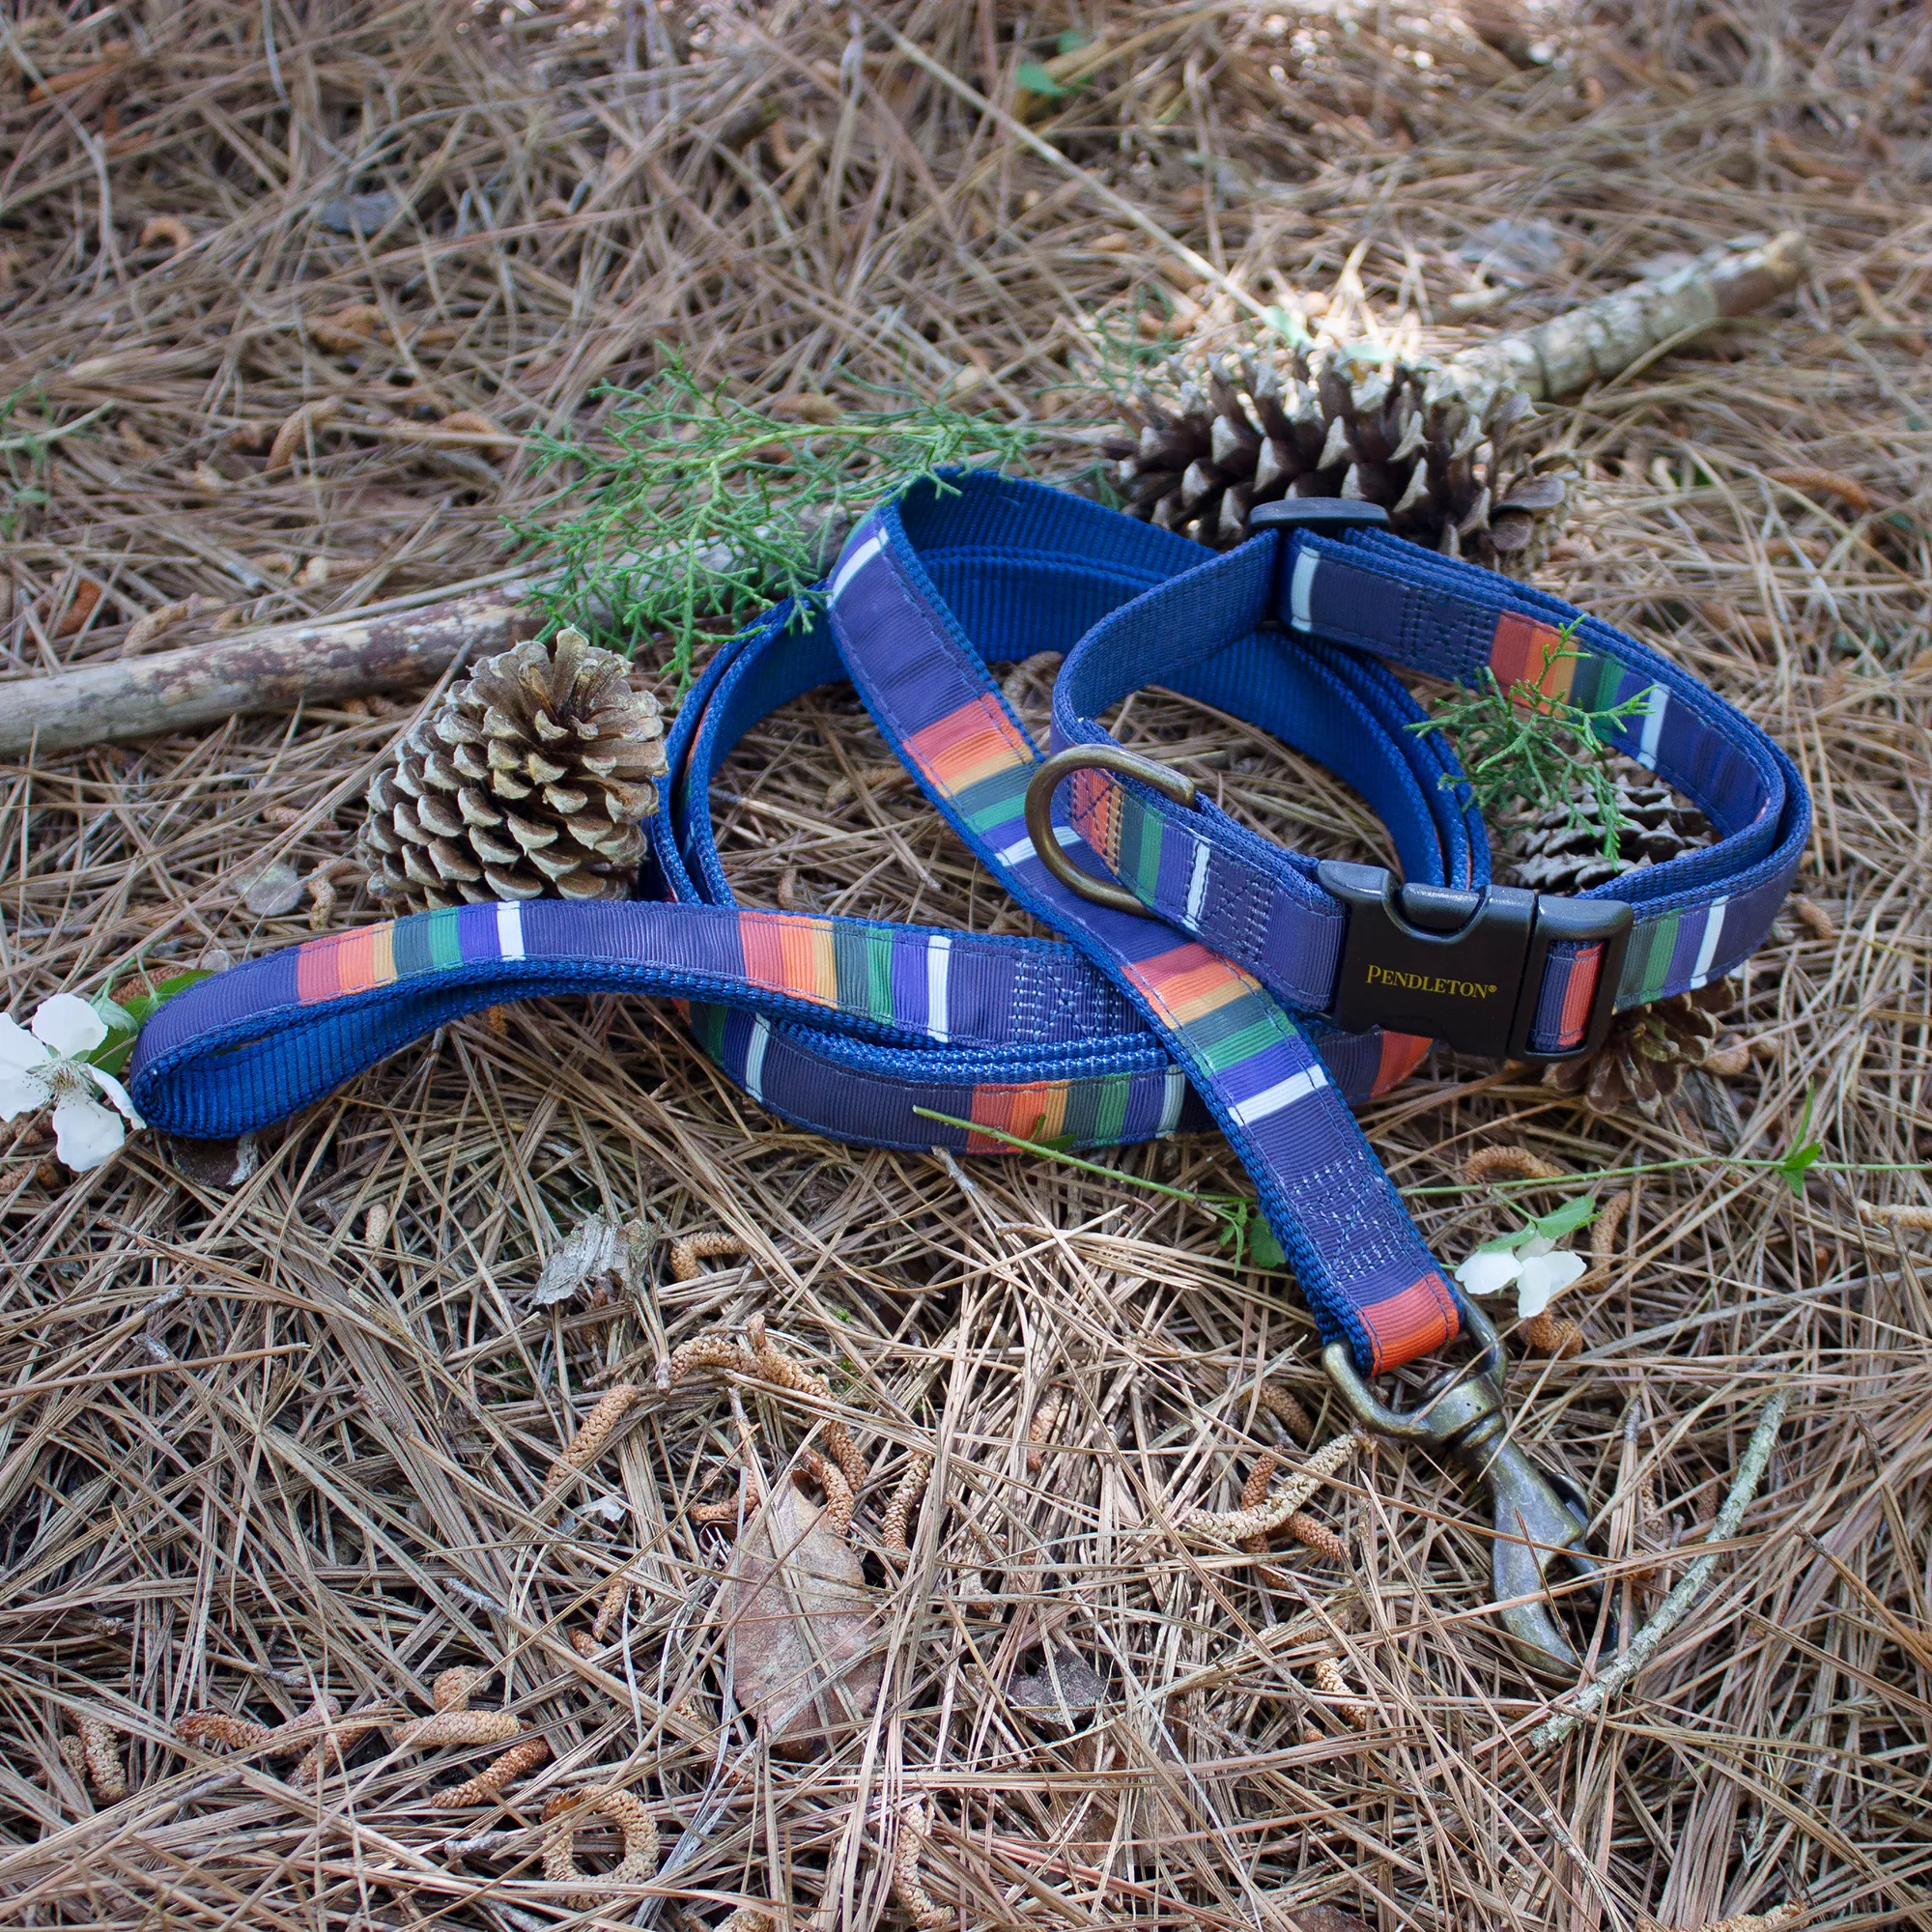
point(44, 1068)
point(1538, 1268)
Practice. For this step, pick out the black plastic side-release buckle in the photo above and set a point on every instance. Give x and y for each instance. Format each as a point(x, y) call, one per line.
point(1318, 514)
point(1465, 967)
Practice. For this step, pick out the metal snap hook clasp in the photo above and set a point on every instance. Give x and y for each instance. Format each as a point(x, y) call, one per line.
point(1539, 1522)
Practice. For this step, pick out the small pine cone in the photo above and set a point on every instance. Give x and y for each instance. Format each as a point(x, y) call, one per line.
point(1200, 454)
point(1563, 851)
point(532, 780)
point(1644, 1057)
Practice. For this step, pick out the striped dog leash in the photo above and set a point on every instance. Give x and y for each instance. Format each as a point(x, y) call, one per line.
point(1204, 975)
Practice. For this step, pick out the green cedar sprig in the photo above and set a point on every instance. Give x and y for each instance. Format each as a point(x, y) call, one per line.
point(1523, 743)
point(691, 508)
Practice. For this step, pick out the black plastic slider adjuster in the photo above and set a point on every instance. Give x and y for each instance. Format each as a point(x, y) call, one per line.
point(1465, 967)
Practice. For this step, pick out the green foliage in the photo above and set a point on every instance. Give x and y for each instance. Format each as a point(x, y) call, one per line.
point(23, 455)
point(125, 1017)
point(1576, 1212)
point(1522, 744)
point(1797, 1164)
point(691, 508)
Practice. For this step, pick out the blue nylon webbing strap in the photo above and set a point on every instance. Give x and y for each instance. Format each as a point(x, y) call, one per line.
point(1208, 1011)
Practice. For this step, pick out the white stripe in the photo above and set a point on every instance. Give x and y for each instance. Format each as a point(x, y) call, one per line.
point(1283, 1093)
point(936, 959)
point(1298, 589)
point(1197, 882)
point(755, 1058)
point(1653, 726)
point(854, 563)
point(509, 929)
point(1173, 1094)
point(1706, 946)
point(1022, 849)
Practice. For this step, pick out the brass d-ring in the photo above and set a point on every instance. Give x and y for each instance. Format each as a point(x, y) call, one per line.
point(1039, 814)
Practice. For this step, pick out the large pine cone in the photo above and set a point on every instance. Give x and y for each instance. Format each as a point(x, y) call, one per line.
point(1562, 852)
point(1644, 1058)
point(1410, 436)
point(532, 780)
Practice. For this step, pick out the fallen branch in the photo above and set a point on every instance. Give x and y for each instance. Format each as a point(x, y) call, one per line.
point(274, 669)
point(1677, 1605)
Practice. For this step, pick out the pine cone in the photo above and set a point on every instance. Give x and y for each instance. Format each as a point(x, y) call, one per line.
point(531, 782)
point(1648, 1050)
point(1411, 437)
point(1557, 851)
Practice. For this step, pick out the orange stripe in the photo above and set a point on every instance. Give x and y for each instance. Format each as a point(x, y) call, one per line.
point(1036, 1112)
point(1579, 996)
point(1419, 1320)
point(1402, 1055)
point(1097, 813)
point(1527, 652)
point(1190, 980)
point(969, 745)
point(790, 955)
point(364, 960)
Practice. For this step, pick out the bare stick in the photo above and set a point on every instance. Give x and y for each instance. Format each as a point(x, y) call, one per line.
point(272, 669)
point(1622, 332)
point(1673, 1609)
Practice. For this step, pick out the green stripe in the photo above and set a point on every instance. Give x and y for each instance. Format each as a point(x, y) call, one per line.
point(1147, 861)
point(1662, 942)
point(446, 944)
point(1110, 1114)
point(849, 968)
point(879, 980)
point(1236, 1032)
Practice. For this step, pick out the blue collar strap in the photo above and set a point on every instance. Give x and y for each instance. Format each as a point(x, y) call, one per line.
point(1246, 986)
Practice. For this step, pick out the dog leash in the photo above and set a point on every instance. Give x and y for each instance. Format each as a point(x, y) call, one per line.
point(1204, 976)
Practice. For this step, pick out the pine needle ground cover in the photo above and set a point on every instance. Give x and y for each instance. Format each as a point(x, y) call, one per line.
point(297, 302)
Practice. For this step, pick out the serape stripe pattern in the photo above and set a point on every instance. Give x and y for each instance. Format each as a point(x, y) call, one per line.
point(1207, 1011)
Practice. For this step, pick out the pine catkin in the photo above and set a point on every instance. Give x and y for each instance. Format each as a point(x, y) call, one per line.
point(222, 1728)
point(1046, 1418)
point(1898, 1214)
point(1302, 1526)
point(905, 1500)
point(616, 1594)
point(776, 1366)
point(599, 1425)
point(1282, 1402)
point(1552, 1334)
point(1237, 1525)
point(1507, 1163)
point(458, 1727)
point(495, 1776)
point(839, 1501)
point(908, 1883)
point(101, 1753)
point(1776, 1920)
point(454, 1688)
point(638, 1864)
point(683, 1253)
point(714, 1351)
point(1330, 1682)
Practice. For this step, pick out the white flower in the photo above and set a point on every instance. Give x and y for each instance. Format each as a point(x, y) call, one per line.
point(43, 1068)
point(1539, 1269)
